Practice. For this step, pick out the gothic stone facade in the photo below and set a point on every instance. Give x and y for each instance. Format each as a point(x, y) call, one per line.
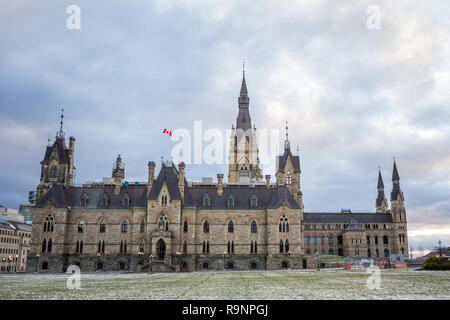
point(168, 224)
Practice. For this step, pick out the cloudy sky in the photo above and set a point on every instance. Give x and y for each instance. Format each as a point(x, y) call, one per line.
point(354, 97)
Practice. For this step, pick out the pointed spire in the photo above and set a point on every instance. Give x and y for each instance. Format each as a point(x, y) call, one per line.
point(244, 84)
point(60, 133)
point(287, 145)
point(380, 184)
point(395, 176)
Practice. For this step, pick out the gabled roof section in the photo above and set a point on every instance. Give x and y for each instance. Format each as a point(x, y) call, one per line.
point(169, 175)
point(61, 149)
point(56, 196)
point(282, 160)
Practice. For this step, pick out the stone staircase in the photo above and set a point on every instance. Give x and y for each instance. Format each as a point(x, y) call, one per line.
point(158, 266)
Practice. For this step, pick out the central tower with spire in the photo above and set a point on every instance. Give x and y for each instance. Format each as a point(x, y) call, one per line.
point(243, 158)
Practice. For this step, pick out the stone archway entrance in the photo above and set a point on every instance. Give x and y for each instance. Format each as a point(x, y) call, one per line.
point(161, 249)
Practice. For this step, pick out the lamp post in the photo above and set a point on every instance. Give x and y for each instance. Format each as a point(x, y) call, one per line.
point(224, 260)
point(98, 258)
point(37, 261)
point(178, 256)
point(317, 254)
point(151, 260)
point(17, 258)
point(289, 252)
point(140, 255)
point(440, 251)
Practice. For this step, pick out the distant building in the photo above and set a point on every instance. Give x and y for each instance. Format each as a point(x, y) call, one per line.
point(15, 237)
point(25, 210)
point(32, 197)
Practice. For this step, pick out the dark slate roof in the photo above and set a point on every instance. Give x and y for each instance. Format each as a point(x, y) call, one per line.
point(395, 175)
point(268, 198)
point(169, 175)
point(62, 197)
point(380, 180)
point(63, 152)
point(283, 159)
point(337, 217)
point(243, 86)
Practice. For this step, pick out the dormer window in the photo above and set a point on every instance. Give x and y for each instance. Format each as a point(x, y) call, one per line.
point(126, 200)
point(84, 199)
point(253, 201)
point(230, 201)
point(105, 200)
point(206, 200)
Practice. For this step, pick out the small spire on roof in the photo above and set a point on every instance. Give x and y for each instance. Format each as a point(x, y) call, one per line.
point(395, 176)
point(60, 133)
point(286, 143)
point(380, 184)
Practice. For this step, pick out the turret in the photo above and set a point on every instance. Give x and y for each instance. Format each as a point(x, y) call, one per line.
point(118, 174)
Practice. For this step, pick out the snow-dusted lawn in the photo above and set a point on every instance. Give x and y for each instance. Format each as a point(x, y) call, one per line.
point(335, 284)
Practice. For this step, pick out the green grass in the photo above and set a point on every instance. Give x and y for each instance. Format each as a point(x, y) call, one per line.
point(337, 284)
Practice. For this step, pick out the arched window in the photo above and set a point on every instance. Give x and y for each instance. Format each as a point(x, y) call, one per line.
point(403, 251)
point(230, 226)
point(81, 246)
point(49, 246)
point(142, 226)
point(255, 247)
point(81, 225)
point(315, 239)
point(377, 252)
point(103, 226)
point(368, 239)
point(126, 200)
point(281, 246)
point(254, 227)
point(376, 239)
point(283, 224)
point(206, 226)
point(53, 171)
point(340, 252)
point(99, 248)
point(204, 247)
point(78, 247)
point(103, 246)
point(230, 201)
point(44, 265)
point(385, 240)
point(185, 246)
point(163, 222)
point(253, 201)
point(386, 252)
point(44, 245)
point(251, 247)
point(322, 252)
point(164, 200)
point(206, 200)
point(229, 247)
point(286, 246)
point(307, 239)
point(124, 226)
point(369, 253)
point(331, 252)
point(330, 239)
point(339, 239)
point(185, 226)
point(322, 240)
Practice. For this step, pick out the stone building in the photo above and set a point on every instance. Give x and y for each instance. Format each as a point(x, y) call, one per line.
point(170, 224)
point(15, 238)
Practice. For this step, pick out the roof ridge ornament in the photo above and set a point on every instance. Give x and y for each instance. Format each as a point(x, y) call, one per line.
point(287, 145)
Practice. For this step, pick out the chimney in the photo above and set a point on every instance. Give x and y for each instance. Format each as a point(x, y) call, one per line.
point(151, 176)
point(181, 167)
point(268, 180)
point(219, 184)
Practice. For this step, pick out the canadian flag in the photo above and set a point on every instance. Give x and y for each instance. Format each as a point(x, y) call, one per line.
point(167, 131)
